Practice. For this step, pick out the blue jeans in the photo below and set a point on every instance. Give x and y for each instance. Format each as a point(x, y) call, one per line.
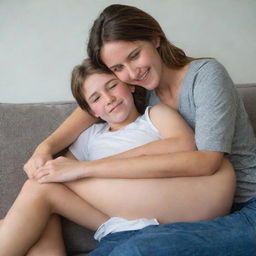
point(232, 235)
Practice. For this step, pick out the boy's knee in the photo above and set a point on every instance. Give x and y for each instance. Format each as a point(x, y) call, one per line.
point(34, 189)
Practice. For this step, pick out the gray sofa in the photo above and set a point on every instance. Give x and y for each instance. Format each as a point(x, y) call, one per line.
point(23, 126)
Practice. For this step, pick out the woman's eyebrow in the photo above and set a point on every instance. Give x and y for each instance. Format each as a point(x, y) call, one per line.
point(128, 57)
point(132, 52)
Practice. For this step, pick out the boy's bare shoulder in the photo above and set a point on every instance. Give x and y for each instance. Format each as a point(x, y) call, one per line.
point(168, 121)
point(161, 110)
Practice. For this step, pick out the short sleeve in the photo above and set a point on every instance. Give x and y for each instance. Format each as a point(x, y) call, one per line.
point(216, 102)
point(80, 147)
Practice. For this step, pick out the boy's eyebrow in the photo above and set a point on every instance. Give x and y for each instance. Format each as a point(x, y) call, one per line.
point(110, 80)
point(128, 57)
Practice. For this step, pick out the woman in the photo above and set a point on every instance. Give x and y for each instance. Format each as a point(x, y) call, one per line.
point(91, 202)
point(132, 44)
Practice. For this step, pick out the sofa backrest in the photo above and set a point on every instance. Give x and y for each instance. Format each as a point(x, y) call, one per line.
point(248, 93)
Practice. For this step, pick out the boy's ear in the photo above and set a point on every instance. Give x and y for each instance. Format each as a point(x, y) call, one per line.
point(132, 88)
point(93, 113)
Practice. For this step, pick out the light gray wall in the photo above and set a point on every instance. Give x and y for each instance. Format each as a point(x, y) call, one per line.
point(41, 40)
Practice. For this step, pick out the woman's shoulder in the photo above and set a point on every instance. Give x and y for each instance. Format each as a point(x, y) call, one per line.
point(204, 72)
point(206, 66)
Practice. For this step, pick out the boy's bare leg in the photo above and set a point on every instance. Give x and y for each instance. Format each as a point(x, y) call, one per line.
point(27, 219)
point(51, 242)
point(167, 199)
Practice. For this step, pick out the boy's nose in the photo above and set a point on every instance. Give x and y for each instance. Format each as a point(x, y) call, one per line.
point(109, 98)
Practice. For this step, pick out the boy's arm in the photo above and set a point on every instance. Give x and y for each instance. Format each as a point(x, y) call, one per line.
point(67, 132)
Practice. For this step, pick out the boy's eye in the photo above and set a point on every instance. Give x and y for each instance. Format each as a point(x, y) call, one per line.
point(112, 86)
point(96, 99)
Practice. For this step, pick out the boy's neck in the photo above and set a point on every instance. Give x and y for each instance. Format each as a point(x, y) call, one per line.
point(133, 115)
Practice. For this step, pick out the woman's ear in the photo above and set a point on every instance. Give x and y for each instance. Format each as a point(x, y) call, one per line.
point(132, 88)
point(156, 41)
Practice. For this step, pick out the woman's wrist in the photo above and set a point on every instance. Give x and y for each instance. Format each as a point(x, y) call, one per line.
point(84, 169)
point(43, 149)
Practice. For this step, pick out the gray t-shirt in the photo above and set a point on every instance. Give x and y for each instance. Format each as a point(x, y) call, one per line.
point(211, 105)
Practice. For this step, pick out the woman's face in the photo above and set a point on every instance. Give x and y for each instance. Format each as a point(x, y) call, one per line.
point(137, 63)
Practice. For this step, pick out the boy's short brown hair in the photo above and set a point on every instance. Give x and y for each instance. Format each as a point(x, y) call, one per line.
point(82, 71)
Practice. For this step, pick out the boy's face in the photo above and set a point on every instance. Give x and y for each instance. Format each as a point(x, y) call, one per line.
point(110, 99)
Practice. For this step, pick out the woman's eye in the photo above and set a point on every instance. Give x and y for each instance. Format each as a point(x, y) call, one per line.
point(134, 56)
point(117, 68)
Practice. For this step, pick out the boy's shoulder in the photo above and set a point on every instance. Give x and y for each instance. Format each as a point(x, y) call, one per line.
point(94, 130)
point(161, 110)
point(166, 119)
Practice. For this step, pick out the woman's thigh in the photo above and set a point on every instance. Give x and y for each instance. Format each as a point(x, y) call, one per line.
point(167, 199)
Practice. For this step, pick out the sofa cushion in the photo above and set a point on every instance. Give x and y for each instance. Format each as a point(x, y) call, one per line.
point(22, 127)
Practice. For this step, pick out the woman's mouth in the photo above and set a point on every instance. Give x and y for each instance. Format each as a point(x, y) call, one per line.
point(143, 77)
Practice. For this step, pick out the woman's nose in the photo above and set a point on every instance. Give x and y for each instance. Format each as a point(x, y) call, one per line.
point(132, 72)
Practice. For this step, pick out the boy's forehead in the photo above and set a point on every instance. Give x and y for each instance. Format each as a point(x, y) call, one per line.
point(95, 82)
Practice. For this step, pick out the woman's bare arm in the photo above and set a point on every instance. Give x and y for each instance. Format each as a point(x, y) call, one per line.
point(176, 156)
point(157, 165)
point(64, 135)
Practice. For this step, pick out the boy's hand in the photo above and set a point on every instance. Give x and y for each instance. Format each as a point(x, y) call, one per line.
point(61, 169)
point(36, 161)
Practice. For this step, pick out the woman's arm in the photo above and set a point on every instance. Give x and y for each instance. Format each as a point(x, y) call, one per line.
point(175, 156)
point(150, 162)
point(68, 131)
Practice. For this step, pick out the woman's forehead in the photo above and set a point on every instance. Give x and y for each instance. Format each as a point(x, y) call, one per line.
point(113, 52)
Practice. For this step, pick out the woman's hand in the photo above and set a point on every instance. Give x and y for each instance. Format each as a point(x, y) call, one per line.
point(61, 169)
point(36, 161)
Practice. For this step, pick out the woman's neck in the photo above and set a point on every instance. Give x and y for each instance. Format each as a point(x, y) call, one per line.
point(169, 88)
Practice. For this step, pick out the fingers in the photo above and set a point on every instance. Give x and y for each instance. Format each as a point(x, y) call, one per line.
point(41, 173)
point(47, 172)
point(34, 163)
